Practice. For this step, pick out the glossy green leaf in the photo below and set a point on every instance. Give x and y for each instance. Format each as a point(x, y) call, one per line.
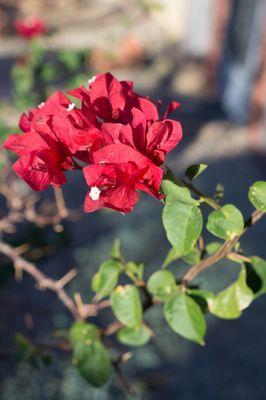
point(195, 170)
point(226, 222)
point(212, 247)
point(81, 331)
point(92, 361)
point(134, 336)
point(176, 191)
point(116, 250)
point(257, 195)
point(134, 270)
point(89, 355)
point(23, 345)
point(172, 255)
point(106, 279)
point(229, 303)
point(185, 317)
point(126, 305)
point(193, 257)
point(256, 275)
point(183, 225)
point(201, 297)
point(162, 284)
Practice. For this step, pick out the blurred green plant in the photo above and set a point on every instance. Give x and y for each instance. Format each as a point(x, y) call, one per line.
point(35, 75)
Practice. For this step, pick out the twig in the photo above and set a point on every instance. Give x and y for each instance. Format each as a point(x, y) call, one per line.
point(203, 198)
point(120, 376)
point(60, 202)
point(223, 252)
point(113, 328)
point(43, 281)
point(235, 256)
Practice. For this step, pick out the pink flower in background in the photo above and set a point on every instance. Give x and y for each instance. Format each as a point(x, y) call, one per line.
point(30, 27)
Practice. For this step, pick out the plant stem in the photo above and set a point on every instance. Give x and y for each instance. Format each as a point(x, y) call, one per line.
point(223, 252)
point(202, 197)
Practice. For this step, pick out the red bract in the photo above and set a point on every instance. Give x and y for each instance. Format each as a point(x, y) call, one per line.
point(154, 140)
point(54, 132)
point(119, 171)
point(77, 129)
point(39, 165)
point(59, 121)
point(132, 119)
point(116, 131)
point(30, 27)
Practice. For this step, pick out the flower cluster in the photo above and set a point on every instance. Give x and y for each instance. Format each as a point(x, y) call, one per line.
point(113, 134)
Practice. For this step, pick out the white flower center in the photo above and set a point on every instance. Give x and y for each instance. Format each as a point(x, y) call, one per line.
point(71, 107)
point(91, 80)
point(41, 105)
point(94, 193)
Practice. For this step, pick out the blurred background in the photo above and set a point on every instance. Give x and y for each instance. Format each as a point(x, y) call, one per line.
point(210, 55)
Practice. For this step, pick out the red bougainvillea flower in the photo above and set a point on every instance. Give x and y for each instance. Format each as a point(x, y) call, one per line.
point(116, 103)
point(116, 175)
point(30, 27)
point(154, 140)
point(39, 164)
point(60, 119)
point(118, 134)
point(113, 100)
point(54, 133)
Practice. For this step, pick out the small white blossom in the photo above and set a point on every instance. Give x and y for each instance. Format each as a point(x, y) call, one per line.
point(94, 193)
point(91, 80)
point(41, 105)
point(71, 107)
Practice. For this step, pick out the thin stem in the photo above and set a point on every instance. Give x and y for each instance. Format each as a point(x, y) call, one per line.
point(60, 202)
point(202, 197)
point(223, 252)
point(120, 375)
point(43, 281)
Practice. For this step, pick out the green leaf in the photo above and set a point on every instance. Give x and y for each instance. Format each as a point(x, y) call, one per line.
point(183, 225)
point(212, 247)
point(219, 191)
point(257, 195)
point(81, 331)
point(162, 284)
point(106, 279)
point(48, 72)
point(23, 344)
point(256, 275)
point(92, 361)
point(201, 297)
point(26, 351)
point(71, 60)
point(172, 255)
point(195, 170)
point(116, 250)
point(134, 270)
point(134, 336)
point(226, 222)
point(185, 317)
point(89, 355)
point(193, 257)
point(229, 303)
point(126, 305)
point(175, 190)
